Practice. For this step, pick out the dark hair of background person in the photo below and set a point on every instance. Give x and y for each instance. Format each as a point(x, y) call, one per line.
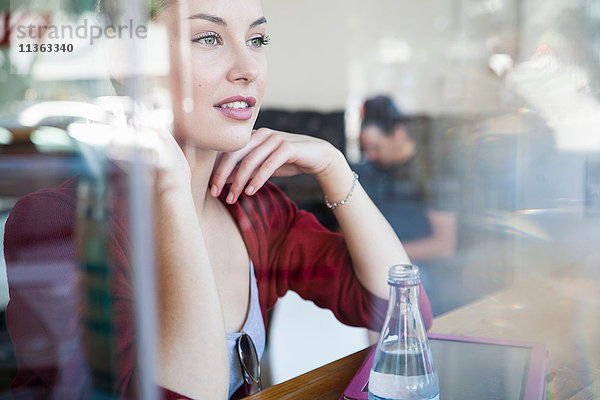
point(380, 111)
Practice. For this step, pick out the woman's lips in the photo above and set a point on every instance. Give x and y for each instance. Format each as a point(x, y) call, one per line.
point(239, 108)
point(241, 114)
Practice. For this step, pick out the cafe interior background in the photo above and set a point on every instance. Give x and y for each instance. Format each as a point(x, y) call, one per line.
point(510, 94)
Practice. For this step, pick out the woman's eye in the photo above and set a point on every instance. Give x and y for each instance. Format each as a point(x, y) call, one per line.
point(208, 40)
point(258, 41)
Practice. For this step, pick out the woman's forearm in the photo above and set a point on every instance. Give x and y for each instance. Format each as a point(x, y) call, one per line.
point(372, 242)
point(193, 348)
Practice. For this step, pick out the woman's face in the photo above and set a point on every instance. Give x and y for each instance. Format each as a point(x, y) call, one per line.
point(225, 73)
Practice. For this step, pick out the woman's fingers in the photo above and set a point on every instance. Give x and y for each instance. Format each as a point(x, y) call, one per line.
point(269, 153)
point(260, 174)
point(223, 169)
point(226, 165)
point(274, 162)
point(251, 164)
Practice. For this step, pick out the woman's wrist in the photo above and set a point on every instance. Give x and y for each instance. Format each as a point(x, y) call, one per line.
point(336, 204)
point(175, 200)
point(337, 179)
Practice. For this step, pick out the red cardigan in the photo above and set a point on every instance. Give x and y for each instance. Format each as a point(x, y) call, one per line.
point(289, 248)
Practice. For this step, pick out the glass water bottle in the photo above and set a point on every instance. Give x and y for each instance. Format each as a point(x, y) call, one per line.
point(403, 366)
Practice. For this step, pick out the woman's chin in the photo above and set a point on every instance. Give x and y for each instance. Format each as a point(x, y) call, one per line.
point(223, 140)
point(233, 140)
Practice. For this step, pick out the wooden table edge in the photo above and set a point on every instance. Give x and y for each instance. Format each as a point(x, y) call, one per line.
point(336, 376)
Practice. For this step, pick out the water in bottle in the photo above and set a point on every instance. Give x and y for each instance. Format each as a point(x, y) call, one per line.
point(403, 367)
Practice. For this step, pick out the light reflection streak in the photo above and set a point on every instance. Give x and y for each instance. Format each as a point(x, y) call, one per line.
point(513, 223)
point(38, 112)
point(583, 351)
point(450, 131)
point(525, 111)
point(533, 211)
point(552, 388)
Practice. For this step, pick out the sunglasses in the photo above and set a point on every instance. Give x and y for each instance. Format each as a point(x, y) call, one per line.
point(249, 362)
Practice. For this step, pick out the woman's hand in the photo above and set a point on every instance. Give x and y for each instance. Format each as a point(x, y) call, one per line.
point(271, 153)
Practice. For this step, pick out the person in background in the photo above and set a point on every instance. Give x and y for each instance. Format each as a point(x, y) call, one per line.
point(396, 180)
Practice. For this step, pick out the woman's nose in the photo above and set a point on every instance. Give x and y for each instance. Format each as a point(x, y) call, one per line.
point(245, 67)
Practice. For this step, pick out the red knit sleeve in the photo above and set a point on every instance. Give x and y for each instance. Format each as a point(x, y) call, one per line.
point(315, 263)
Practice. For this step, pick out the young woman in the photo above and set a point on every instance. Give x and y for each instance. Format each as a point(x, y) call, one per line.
point(229, 242)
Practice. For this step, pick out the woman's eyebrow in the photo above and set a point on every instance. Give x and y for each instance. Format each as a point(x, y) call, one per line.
point(211, 18)
point(259, 21)
point(221, 21)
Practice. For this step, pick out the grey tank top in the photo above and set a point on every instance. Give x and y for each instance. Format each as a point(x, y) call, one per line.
point(253, 326)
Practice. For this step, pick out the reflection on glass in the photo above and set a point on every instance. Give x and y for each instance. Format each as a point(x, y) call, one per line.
point(72, 238)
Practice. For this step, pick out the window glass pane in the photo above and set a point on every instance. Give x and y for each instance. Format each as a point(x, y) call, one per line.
point(473, 126)
point(81, 105)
